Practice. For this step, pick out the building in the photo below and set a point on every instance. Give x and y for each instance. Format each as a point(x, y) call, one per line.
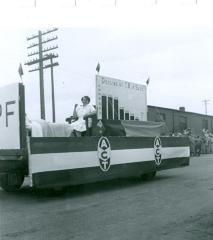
point(178, 120)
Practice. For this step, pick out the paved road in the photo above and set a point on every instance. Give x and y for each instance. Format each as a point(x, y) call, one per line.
point(176, 205)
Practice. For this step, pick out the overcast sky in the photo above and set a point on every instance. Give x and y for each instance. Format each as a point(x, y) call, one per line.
point(170, 44)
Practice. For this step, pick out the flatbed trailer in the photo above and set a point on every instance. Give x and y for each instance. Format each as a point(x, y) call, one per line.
point(52, 162)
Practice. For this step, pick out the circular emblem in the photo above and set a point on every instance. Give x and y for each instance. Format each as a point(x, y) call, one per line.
point(104, 153)
point(157, 150)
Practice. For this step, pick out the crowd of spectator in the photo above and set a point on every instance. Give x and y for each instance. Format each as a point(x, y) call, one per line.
point(202, 144)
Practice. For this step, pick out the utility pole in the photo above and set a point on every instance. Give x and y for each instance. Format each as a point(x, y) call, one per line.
point(39, 60)
point(206, 101)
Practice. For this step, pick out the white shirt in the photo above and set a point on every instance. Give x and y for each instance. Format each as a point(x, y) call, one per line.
point(80, 124)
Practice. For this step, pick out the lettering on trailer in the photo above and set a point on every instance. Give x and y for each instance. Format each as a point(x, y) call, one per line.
point(8, 111)
point(104, 154)
point(11, 116)
point(157, 151)
point(122, 84)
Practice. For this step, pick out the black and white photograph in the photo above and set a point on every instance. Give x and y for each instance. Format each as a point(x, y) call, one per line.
point(106, 120)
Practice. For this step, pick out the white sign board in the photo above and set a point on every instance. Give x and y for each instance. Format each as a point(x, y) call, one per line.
point(118, 99)
point(9, 117)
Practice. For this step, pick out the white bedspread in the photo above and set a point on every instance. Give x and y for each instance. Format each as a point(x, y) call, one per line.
point(41, 128)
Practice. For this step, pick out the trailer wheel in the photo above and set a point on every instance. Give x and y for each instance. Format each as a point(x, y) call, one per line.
point(11, 182)
point(148, 176)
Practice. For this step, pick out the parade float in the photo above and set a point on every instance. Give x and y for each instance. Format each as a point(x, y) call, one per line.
point(119, 141)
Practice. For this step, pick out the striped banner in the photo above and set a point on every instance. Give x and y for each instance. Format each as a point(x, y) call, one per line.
point(103, 158)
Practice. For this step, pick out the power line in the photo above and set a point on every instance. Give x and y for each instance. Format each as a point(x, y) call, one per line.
point(40, 59)
point(206, 102)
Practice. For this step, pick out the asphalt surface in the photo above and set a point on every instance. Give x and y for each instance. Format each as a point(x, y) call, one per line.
point(176, 205)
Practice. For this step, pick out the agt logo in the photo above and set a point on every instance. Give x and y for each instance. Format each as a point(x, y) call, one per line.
point(157, 151)
point(104, 153)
